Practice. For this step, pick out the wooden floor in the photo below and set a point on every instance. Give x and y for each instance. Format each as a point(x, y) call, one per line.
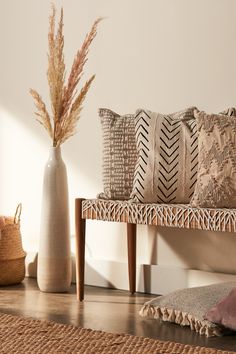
point(103, 309)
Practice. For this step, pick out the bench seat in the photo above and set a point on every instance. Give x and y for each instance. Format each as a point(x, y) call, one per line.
point(167, 215)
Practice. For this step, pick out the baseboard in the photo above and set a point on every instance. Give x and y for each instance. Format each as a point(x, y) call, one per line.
point(153, 279)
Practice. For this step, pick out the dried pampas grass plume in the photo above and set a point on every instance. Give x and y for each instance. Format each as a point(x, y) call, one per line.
point(66, 103)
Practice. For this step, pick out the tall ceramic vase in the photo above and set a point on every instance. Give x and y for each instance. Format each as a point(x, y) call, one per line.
point(54, 257)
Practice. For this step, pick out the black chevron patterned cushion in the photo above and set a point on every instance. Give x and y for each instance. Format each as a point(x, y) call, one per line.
point(166, 169)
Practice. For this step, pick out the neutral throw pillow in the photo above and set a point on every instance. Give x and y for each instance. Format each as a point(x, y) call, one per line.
point(216, 181)
point(119, 154)
point(188, 307)
point(224, 312)
point(166, 169)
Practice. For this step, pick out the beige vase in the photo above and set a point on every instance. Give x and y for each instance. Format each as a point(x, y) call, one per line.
point(54, 257)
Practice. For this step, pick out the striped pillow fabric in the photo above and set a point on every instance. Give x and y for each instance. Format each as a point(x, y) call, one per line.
point(119, 154)
point(166, 169)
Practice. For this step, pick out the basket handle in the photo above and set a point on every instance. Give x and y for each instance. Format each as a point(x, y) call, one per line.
point(18, 213)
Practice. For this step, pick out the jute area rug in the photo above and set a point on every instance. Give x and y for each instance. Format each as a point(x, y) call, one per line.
point(26, 335)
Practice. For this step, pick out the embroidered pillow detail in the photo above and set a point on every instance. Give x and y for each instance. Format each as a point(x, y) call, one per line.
point(216, 183)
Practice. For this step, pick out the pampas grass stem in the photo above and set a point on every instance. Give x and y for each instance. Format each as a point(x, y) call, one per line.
point(66, 102)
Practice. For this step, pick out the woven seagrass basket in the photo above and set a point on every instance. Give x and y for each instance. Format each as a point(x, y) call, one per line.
point(12, 255)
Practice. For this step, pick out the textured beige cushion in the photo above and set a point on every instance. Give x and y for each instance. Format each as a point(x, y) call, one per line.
point(119, 154)
point(216, 182)
point(166, 169)
point(188, 307)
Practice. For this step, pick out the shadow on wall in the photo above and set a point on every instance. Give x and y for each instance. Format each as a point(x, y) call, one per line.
point(147, 278)
point(197, 249)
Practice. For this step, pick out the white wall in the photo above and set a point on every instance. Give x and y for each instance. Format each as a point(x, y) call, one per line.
point(163, 55)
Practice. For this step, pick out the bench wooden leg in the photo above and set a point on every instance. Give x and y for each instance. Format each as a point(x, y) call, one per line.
point(131, 242)
point(80, 225)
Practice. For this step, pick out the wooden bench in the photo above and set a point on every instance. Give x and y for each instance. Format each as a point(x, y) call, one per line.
point(168, 215)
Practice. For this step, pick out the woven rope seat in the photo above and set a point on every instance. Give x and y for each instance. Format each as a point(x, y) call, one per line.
point(170, 215)
point(166, 215)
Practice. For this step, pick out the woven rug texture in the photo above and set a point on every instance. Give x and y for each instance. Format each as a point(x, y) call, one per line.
point(26, 335)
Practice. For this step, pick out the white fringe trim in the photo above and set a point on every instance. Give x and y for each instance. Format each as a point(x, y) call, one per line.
point(181, 318)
